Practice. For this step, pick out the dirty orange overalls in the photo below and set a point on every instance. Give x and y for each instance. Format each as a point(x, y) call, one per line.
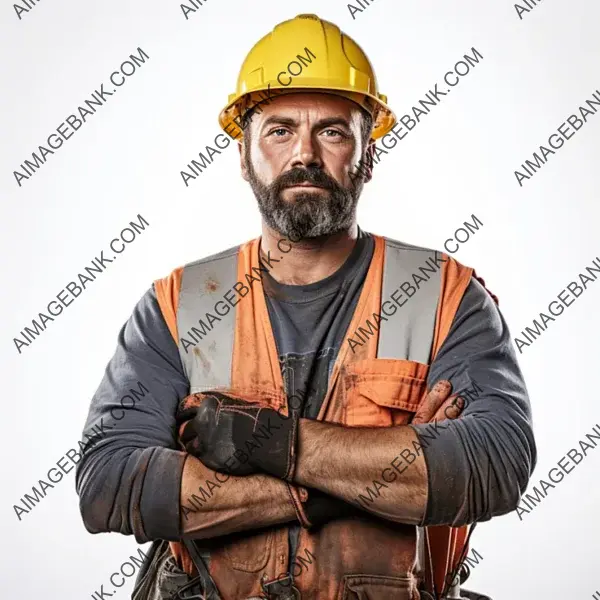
point(379, 383)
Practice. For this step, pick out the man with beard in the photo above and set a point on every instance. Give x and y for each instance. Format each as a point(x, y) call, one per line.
point(325, 456)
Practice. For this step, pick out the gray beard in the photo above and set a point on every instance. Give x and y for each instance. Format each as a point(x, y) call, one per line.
point(310, 214)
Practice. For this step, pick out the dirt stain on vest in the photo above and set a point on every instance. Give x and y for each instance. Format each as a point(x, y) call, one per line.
point(211, 285)
point(205, 362)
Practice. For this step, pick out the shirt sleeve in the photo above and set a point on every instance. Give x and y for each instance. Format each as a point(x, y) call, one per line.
point(479, 464)
point(129, 477)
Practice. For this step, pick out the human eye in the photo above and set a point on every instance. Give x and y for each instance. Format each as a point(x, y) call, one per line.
point(278, 130)
point(334, 133)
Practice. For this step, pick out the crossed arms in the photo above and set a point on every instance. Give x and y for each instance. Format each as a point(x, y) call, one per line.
point(334, 459)
point(134, 481)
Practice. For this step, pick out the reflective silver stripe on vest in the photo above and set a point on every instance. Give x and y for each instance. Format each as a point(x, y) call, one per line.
point(407, 334)
point(203, 285)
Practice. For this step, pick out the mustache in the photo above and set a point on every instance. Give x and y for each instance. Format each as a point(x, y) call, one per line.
point(315, 177)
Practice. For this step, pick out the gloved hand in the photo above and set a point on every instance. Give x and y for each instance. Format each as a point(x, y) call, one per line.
point(240, 438)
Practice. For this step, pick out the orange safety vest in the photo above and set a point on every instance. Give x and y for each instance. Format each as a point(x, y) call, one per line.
point(379, 382)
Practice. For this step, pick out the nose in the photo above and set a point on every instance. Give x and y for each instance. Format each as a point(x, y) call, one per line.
point(307, 152)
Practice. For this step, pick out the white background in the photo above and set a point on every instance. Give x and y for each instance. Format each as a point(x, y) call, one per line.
point(457, 162)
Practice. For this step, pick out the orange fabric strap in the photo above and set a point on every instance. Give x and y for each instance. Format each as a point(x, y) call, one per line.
point(167, 295)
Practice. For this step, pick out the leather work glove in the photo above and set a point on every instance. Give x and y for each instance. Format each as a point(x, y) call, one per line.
point(318, 507)
point(240, 438)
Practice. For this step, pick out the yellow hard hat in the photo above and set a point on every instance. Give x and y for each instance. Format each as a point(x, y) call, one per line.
point(306, 54)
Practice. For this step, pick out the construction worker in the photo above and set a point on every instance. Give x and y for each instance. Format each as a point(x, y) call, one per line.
point(319, 412)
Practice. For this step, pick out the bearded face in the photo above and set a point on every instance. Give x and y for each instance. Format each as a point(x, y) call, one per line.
point(302, 174)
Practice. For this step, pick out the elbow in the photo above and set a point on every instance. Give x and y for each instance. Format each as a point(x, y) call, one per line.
point(513, 478)
point(95, 518)
point(502, 500)
point(503, 494)
point(509, 468)
point(93, 507)
point(507, 499)
point(495, 491)
point(103, 500)
point(117, 492)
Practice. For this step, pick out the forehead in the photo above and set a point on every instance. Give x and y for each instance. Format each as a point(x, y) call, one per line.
point(309, 105)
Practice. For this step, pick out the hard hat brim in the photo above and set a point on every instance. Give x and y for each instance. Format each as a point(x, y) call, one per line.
point(229, 118)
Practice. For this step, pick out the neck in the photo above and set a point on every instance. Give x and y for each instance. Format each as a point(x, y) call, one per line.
point(308, 260)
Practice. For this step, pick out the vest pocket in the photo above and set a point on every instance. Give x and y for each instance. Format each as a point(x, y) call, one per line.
point(248, 551)
point(383, 391)
point(377, 587)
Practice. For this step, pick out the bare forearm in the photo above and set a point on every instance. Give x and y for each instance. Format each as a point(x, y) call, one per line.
point(345, 461)
point(228, 504)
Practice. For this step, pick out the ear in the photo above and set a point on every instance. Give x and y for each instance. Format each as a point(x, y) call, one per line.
point(370, 153)
point(243, 168)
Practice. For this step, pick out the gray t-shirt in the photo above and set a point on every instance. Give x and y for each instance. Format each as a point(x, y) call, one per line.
point(309, 324)
point(129, 481)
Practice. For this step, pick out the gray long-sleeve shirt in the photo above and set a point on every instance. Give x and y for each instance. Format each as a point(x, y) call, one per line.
point(478, 465)
point(129, 480)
